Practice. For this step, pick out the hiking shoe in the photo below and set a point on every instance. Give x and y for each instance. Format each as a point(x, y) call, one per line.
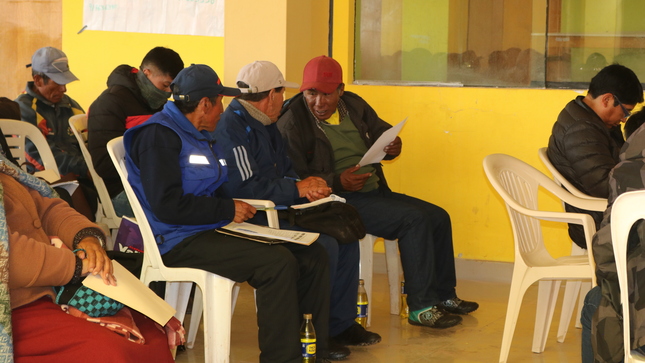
point(458, 306)
point(356, 335)
point(433, 317)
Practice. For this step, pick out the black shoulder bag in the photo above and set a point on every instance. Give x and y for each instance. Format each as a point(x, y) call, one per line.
point(337, 219)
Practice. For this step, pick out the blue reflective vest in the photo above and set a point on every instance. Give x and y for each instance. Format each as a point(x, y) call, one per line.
point(202, 172)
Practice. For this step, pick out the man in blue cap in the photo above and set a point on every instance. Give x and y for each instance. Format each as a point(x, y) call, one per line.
point(175, 170)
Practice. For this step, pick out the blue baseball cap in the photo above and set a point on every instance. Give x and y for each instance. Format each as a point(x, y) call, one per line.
point(198, 81)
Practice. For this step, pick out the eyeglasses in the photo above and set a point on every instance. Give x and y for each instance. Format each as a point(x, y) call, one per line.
point(625, 111)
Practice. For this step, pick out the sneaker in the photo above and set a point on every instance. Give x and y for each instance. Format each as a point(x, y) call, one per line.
point(458, 306)
point(356, 335)
point(433, 317)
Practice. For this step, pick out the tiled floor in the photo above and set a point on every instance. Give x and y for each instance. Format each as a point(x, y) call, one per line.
point(477, 339)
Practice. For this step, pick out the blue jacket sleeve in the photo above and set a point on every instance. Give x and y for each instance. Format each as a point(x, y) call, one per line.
point(253, 168)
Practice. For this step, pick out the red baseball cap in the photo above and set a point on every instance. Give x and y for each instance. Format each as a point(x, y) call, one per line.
point(323, 74)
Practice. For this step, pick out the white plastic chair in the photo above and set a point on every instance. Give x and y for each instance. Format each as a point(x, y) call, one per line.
point(573, 288)
point(561, 180)
point(626, 210)
point(517, 183)
point(17, 132)
point(105, 213)
point(214, 294)
point(366, 267)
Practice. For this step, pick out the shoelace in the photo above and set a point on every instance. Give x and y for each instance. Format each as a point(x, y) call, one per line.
point(453, 303)
point(430, 316)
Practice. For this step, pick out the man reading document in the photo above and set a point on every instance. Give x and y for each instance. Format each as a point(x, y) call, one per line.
point(328, 131)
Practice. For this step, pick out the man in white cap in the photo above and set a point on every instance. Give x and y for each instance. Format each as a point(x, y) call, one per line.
point(45, 105)
point(259, 168)
point(176, 172)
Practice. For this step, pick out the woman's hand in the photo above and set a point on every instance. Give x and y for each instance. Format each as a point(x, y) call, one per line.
point(95, 260)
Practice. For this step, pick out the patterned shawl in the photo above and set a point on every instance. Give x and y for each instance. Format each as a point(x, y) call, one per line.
point(6, 167)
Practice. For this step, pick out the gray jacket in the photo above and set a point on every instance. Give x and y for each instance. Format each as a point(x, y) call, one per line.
point(607, 338)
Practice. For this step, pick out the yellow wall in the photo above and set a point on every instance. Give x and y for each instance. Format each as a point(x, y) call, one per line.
point(94, 54)
point(284, 32)
point(449, 130)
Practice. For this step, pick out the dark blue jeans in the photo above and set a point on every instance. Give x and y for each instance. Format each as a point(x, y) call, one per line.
point(424, 232)
point(592, 300)
point(343, 277)
point(343, 281)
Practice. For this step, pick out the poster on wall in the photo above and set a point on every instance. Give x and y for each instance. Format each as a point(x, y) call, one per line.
point(183, 17)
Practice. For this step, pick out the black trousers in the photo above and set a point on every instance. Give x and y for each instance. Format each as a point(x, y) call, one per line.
point(290, 280)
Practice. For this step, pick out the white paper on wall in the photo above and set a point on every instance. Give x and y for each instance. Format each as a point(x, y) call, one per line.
point(183, 17)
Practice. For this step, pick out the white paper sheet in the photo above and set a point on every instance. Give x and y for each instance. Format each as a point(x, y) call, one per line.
point(69, 186)
point(184, 17)
point(130, 291)
point(330, 198)
point(375, 154)
point(273, 235)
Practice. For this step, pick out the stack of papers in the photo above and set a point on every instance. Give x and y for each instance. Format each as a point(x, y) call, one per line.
point(268, 235)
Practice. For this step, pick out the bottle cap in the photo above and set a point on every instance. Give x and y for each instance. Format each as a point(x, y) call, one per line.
point(307, 316)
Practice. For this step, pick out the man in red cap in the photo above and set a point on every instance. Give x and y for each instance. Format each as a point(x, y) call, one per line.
point(328, 131)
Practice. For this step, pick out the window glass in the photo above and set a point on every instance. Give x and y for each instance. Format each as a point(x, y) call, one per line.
point(498, 43)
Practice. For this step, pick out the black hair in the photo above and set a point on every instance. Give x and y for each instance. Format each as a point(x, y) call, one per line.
point(254, 97)
point(633, 123)
point(167, 61)
point(187, 107)
point(619, 81)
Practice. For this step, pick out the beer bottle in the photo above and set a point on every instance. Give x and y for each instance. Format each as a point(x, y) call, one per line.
point(361, 304)
point(308, 340)
point(405, 311)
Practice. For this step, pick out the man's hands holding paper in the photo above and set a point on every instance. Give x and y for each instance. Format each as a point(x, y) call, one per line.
point(313, 188)
point(243, 211)
point(353, 182)
point(394, 148)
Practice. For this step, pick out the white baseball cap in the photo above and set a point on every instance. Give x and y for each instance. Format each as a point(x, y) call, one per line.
point(262, 76)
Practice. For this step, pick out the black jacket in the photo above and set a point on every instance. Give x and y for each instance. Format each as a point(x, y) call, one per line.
point(107, 118)
point(309, 148)
point(584, 151)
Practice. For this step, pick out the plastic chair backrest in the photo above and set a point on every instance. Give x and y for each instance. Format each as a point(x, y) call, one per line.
point(17, 132)
point(517, 183)
point(626, 210)
point(559, 178)
point(151, 256)
point(78, 124)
